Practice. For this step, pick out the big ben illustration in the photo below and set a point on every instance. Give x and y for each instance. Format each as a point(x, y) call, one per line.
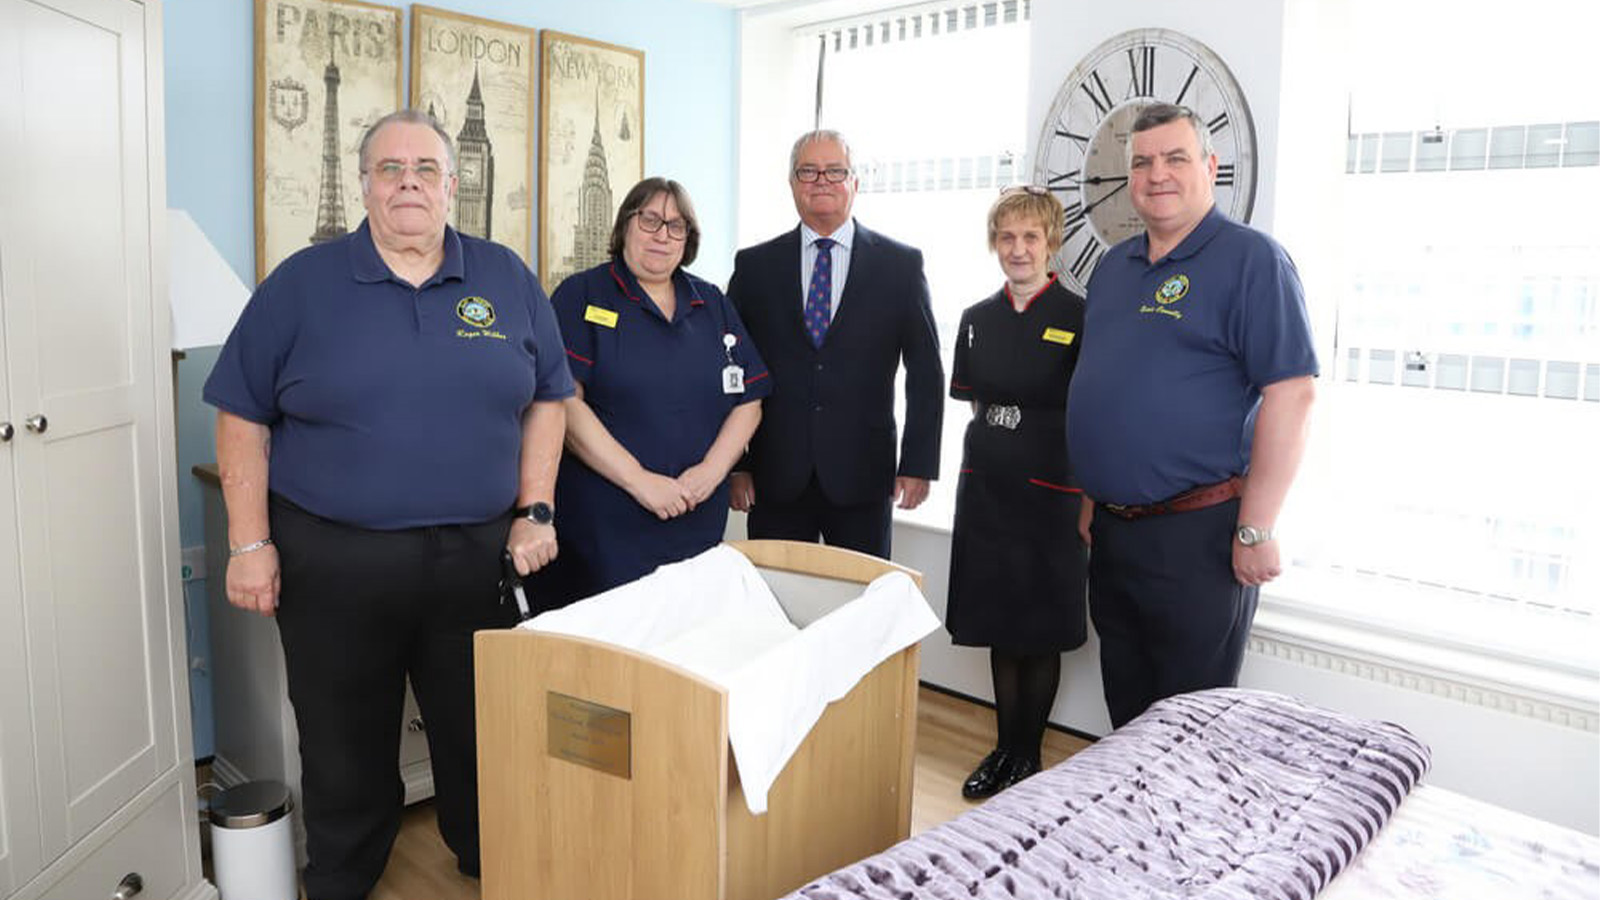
point(475, 169)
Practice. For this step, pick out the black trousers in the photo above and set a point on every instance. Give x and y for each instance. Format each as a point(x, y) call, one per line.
point(864, 526)
point(359, 612)
point(1170, 615)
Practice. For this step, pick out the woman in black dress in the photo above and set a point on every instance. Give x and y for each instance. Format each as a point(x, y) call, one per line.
point(1017, 565)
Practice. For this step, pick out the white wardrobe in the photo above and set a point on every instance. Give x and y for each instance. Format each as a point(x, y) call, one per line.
point(97, 796)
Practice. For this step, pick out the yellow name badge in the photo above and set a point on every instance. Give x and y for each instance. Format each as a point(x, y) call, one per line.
point(600, 316)
point(1058, 336)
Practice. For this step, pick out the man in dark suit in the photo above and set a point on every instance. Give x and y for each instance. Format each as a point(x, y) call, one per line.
point(833, 309)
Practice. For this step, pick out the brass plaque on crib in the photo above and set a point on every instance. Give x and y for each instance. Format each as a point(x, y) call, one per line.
point(589, 734)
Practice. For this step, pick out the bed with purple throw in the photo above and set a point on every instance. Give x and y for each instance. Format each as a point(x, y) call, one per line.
point(1217, 795)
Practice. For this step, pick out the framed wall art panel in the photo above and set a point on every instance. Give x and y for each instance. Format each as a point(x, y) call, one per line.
point(475, 76)
point(325, 71)
point(591, 148)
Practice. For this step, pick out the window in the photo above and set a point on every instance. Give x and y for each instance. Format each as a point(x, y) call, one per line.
point(1452, 485)
point(933, 99)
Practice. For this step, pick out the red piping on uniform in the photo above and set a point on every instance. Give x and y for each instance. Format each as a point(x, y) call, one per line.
point(965, 472)
point(960, 387)
point(580, 358)
point(1029, 302)
point(621, 284)
point(1055, 487)
point(757, 378)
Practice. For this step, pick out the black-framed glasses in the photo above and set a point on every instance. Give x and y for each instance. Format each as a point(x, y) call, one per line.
point(831, 174)
point(651, 222)
point(1033, 189)
point(392, 170)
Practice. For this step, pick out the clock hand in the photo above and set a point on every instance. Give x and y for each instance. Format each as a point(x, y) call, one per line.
point(1112, 193)
point(1103, 179)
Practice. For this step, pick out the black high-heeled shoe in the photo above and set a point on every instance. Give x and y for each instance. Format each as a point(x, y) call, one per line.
point(1015, 769)
point(985, 779)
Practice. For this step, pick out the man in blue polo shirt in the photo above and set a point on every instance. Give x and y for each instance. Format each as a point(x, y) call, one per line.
point(409, 382)
point(1186, 423)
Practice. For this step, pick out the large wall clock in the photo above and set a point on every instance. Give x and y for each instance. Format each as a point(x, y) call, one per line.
point(1082, 155)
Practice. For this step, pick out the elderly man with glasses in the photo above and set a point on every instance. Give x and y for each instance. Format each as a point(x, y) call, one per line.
point(835, 308)
point(409, 382)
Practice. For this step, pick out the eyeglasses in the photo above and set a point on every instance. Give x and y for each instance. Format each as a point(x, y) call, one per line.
point(832, 174)
point(651, 222)
point(1032, 189)
point(391, 171)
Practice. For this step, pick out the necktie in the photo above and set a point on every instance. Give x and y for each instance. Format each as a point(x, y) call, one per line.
point(819, 296)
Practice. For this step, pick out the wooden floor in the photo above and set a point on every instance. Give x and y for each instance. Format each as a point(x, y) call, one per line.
point(952, 735)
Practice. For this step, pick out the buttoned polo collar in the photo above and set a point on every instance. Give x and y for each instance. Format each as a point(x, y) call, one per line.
point(368, 267)
point(1203, 232)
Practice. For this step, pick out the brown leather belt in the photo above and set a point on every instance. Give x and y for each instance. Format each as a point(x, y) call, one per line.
point(1192, 499)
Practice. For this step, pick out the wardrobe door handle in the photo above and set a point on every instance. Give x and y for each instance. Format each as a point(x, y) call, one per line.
point(130, 887)
point(37, 424)
point(6, 432)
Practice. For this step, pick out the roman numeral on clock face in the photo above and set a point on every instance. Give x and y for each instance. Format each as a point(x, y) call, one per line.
point(1142, 68)
point(1087, 257)
point(1225, 175)
point(1096, 89)
point(1066, 181)
point(1072, 221)
point(1219, 123)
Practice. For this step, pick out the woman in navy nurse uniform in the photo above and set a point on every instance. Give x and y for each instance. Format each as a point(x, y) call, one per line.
point(669, 392)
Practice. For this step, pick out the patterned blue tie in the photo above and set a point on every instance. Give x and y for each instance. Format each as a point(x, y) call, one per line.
point(819, 297)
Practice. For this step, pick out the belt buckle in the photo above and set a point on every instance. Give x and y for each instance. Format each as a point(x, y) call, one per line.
point(1008, 417)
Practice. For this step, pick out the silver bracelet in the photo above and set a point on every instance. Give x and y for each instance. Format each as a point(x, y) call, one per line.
point(248, 548)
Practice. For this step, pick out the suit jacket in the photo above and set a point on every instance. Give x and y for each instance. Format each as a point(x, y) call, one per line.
point(832, 408)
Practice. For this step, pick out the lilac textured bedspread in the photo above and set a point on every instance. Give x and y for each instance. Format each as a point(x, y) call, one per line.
point(1218, 794)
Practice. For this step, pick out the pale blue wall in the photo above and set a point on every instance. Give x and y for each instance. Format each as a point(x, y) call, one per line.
point(690, 64)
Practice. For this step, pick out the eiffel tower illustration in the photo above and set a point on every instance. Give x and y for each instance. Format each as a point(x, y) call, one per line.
point(330, 200)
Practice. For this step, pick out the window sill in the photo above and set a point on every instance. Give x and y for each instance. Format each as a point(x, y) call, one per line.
point(1544, 656)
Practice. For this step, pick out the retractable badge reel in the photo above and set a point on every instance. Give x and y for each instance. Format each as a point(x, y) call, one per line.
point(732, 374)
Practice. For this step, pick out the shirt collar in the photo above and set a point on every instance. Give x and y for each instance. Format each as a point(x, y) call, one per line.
point(368, 267)
point(1203, 232)
point(629, 284)
point(844, 236)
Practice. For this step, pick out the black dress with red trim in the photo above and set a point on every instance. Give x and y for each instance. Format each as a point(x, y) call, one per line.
point(1017, 567)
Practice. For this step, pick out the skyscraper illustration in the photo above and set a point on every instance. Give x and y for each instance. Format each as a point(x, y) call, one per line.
point(592, 231)
point(330, 200)
point(474, 169)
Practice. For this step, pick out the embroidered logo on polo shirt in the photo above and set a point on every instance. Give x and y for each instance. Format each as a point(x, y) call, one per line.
point(476, 311)
point(1171, 291)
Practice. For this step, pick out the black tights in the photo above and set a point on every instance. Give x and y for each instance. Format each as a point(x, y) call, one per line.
point(1024, 691)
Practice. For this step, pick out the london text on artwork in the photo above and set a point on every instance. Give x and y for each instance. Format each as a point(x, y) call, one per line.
point(474, 47)
point(353, 36)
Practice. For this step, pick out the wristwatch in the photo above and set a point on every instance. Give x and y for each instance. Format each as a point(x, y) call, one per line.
point(1249, 535)
point(539, 513)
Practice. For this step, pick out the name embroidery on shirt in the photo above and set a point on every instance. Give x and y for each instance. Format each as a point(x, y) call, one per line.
point(1059, 336)
point(600, 316)
point(1171, 291)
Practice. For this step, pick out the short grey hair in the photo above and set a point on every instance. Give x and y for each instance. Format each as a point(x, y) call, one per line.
point(1158, 114)
point(408, 117)
point(813, 137)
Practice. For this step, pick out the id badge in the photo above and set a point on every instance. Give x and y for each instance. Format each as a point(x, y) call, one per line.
point(733, 380)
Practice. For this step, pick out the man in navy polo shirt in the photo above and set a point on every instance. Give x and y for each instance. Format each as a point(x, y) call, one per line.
point(409, 382)
point(1186, 423)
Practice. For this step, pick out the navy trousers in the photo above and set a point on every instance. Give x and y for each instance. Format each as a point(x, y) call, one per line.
point(359, 612)
point(865, 526)
point(1170, 615)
